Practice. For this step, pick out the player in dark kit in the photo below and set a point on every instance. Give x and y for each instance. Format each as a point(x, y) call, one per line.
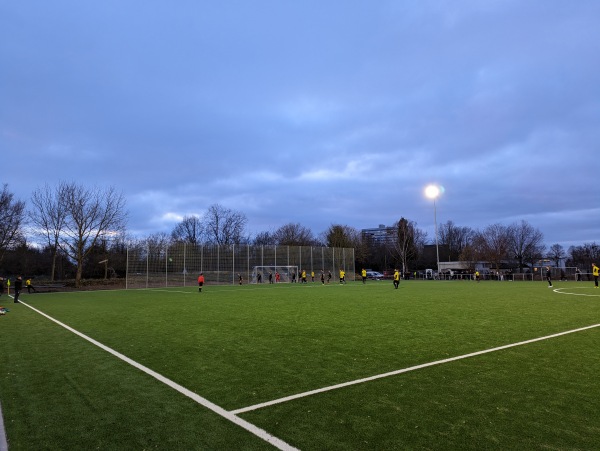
point(18, 288)
point(549, 276)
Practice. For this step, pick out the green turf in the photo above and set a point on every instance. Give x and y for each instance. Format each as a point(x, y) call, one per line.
point(239, 346)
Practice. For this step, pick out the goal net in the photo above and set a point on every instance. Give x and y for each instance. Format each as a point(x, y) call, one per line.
point(265, 274)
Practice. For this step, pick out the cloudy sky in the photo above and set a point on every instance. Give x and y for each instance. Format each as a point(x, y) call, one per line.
point(315, 112)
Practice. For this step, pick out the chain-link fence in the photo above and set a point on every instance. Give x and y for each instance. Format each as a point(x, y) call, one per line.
point(180, 264)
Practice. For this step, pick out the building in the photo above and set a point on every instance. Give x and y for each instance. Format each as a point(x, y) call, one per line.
point(380, 235)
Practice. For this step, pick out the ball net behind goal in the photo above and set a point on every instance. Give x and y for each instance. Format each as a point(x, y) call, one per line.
point(287, 274)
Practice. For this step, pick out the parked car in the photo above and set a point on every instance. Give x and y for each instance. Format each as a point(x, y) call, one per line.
point(374, 275)
point(389, 274)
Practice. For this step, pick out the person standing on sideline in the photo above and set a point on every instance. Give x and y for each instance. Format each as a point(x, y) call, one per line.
point(396, 278)
point(328, 276)
point(595, 273)
point(549, 276)
point(577, 275)
point(363, 273)
point(200, 282)
point(18, 288)
point(29, 286)
point(270, 277)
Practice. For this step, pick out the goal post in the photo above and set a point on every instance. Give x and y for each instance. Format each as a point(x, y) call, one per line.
point(287, 274)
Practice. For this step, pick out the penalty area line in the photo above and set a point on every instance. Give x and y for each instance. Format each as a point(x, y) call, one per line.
point(261, 433)
point(404, 370)
point(558, 290)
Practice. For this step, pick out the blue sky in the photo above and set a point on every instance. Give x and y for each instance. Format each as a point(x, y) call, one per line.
point(313, 112)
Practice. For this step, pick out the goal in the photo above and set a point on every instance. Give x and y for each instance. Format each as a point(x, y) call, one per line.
point(286, 273)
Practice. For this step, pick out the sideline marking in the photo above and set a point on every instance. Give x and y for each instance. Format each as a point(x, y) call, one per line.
point(576, 294)
point(404, 370)
point(261, 433)
point(3, 442)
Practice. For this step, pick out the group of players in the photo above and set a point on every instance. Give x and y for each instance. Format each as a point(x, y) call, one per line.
point(17, 287)
point(396, 277)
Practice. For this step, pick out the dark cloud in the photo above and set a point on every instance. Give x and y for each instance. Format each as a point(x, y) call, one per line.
point(311, 112)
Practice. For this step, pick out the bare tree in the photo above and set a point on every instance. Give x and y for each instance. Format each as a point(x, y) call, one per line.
point(493, 244)
point(224, 226)
point(344, 236)
point(455, 237)
point(406, 245)
point(584, 255)
point(526, 243)
point(263, 239)
point(469, 254)
point(189, 230)
point(48, 217)
point(294, 235)
point(12, 219)
point(340, 236)
point(91, 214)
point(557, 253)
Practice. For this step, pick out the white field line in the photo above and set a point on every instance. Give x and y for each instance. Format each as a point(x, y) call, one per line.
point(261, 433)
point(3, 442)
point(404, 370)
point(558, 290)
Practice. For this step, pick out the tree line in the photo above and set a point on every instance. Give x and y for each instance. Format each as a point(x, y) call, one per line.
point(68, 229)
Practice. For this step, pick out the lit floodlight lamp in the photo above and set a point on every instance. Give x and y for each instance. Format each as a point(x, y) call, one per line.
point(432, 191)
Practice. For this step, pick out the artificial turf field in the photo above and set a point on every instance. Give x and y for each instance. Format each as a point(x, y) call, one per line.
point(240, 346)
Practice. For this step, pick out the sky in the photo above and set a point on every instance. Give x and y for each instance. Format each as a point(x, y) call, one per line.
point(316, 112)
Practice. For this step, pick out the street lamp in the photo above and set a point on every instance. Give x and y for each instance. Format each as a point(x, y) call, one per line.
point(433, 191)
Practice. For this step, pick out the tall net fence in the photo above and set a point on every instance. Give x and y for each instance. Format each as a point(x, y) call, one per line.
point(180, 264)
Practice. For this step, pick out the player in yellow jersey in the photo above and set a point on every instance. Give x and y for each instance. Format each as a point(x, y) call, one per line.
point(364, 275)
point(342, 276)
point(396, 278)
point(595, 273)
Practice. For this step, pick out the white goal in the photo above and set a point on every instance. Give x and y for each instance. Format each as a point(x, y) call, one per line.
point(268, 274)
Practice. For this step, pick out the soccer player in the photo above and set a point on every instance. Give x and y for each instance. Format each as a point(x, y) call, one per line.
point(200, 282)
point(549, 276)
point(312, 276)
point(29, 286)
point(396, 278)
point(18, 288)
point(303, 276)
point(363, 273)
point(322, 277)
point(595, 273)
point(342, 276)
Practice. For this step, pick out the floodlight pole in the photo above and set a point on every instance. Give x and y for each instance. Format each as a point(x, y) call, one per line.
point(437, 247)
point(433, 191)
